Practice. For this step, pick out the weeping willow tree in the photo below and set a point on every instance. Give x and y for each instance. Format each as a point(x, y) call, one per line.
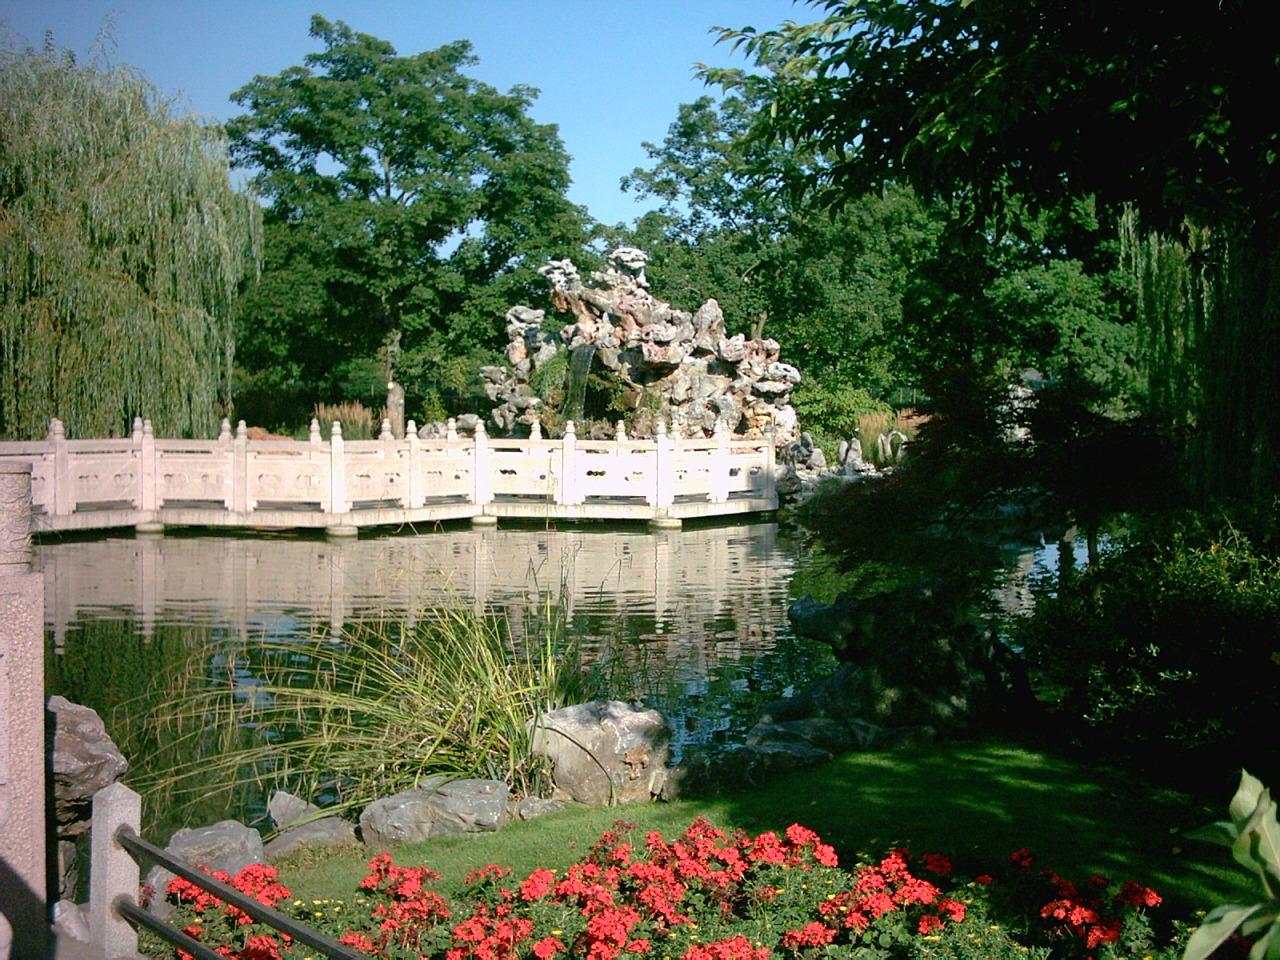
point(122, 245)
point(1208, 300)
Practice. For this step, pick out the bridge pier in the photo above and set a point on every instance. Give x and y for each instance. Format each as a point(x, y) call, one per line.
point(484, 520)
point(666, 523)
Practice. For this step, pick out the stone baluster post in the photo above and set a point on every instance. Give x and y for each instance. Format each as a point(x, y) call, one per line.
point(338, 502)
point(483, 477)
point(535, 429)
point(148, 500)
point(664, 468)
point(62, 504)
point(24, 927)
point(416, 495)
point(569, 466)
point(113, 872)
point(770, 464)
point(720, 464)
point(240, 470)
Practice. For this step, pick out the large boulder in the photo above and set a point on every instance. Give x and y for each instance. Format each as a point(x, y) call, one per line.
point(604, 752)
point(434, 810)
point(84, 760)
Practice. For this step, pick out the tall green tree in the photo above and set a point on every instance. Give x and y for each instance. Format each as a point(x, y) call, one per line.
point(409, 206)
point(993, 104)
point(122, 246)
point(876, 293)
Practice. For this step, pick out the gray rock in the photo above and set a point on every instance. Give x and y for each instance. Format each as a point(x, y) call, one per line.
point(528, 808)
point(71, 920)
point(741, 766)
point(85, 759)
point(458, 806)
point(604, 751)
point(324, 832)
point(228, 846)
point(821, 732)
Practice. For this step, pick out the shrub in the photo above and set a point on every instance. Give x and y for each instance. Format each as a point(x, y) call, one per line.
point(1167, 649)
point(358, 421)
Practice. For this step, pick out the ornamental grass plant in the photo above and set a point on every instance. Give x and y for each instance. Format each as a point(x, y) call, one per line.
point(341, 720)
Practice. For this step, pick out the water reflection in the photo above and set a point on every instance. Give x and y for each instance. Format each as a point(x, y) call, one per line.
point(696, 618)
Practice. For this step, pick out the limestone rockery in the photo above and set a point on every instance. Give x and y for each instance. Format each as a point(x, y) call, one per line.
point(669, 364)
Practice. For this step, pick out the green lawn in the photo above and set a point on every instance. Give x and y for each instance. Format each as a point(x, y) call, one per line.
point(975, 802)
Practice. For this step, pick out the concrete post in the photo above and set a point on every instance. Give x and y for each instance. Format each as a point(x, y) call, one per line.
point(24, 926)
point(113, 873)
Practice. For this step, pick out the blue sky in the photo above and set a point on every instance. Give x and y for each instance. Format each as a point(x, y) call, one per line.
point(611, 72)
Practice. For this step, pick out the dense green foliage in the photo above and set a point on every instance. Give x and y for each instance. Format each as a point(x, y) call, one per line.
point(409, 206)
point(1167, 650)
point(1000, 107)
point(876, 295)
point(122, 249)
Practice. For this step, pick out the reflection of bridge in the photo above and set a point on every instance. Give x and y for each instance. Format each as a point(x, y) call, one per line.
point(150, 483)
point(708, 592)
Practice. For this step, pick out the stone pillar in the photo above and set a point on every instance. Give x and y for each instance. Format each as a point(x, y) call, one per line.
point(482, 491)
point(338, 503)
point(24, 927)
point(568, 466)
point(115, 873)
point(395, 408)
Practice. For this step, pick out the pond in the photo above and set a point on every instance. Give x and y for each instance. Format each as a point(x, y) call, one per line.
point(696, 618)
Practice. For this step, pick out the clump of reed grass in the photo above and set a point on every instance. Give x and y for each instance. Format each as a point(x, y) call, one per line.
point(900, 427)
point(344, 720)
point(358, 421)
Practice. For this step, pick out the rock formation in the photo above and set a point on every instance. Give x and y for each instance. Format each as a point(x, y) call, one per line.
point(669, 364)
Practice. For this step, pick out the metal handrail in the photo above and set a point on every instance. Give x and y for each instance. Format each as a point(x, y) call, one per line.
point(139, 848)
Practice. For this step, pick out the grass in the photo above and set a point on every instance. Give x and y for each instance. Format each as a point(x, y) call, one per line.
point(975, 802)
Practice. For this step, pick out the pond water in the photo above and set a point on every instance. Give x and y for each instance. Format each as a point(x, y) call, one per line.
point(695, 618)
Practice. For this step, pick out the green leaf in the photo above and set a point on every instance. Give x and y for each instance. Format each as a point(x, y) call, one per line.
point(1217, 928)
point(1246, 798)
point(1222, 833)
point(1268, 947)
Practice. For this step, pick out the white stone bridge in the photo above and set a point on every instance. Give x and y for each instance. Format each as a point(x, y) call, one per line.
point(342, 485)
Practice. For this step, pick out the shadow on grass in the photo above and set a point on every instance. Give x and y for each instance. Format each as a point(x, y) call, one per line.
point(975, 802)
